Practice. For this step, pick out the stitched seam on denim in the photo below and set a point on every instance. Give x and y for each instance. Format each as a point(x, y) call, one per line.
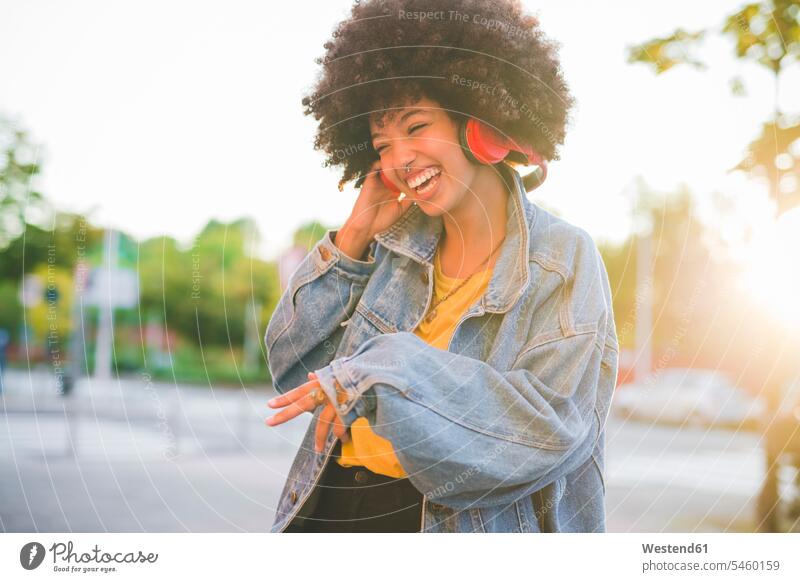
point(549, 265)
point(310, 277)
point(544, 340)
point(522, 528)
point(608, 355)
point(350, 385)
point(558, 445)
point(358, 278)
point(524, 236)
point(390, 235)
point(341, 257)
point(614, 346)
point(564, 316)
point(523, 270)
point(600, 471)
point(375, 319)
point(473, 513)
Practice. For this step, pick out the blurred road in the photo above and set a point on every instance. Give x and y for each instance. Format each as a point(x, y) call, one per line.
point(133, 455)
point(669, 479)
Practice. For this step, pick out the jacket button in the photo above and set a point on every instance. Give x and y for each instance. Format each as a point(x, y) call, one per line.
point(361, 477)
point(293, 497)
point(324, 253)
point(424, 276)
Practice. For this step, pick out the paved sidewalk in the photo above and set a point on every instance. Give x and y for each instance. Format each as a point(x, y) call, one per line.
point(131, 455)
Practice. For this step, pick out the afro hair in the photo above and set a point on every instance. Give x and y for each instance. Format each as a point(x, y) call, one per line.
point(477, 58)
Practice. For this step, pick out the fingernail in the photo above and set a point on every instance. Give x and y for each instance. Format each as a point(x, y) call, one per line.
point(271, 402)
point(270, 420)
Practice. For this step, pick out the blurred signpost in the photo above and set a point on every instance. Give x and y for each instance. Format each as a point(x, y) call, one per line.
point(31, 294)
point(109, 287)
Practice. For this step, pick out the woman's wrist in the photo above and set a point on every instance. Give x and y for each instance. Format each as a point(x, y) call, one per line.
point(352, 241)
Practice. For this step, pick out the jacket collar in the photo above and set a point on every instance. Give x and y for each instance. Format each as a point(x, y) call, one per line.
point(416, 235)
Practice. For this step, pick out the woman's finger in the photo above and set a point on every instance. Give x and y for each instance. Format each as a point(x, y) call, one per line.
point(293, 395)
point(340, 430)
point(323, 426)
point(292, 410)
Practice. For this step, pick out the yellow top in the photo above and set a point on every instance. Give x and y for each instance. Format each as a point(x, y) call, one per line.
point(365, 448)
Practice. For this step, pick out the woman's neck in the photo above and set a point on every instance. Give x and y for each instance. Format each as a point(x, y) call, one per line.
point(474, 228)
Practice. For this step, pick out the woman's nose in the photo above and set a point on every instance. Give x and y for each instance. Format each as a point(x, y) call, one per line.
point(404, 157)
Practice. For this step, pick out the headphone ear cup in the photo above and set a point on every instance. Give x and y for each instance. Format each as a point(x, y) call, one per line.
point(464, 141)
point(387, 182)
point(485, 145)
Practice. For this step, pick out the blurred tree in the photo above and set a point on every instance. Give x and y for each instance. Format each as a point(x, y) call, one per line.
point(203, 291)
point(620, 262)
point(72, 237)
point(308, 234)
point(19, 164)
point(683, 273)
point(766, 33)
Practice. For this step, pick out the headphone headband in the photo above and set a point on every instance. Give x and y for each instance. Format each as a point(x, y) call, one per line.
point(482, 144)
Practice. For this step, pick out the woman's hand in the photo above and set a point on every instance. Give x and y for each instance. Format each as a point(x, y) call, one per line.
point(377, 207)
point(300, 400)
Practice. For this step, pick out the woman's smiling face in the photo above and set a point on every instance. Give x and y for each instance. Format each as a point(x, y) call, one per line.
point(422, 137)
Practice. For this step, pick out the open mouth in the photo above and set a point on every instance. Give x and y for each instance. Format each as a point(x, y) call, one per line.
point(425, 181)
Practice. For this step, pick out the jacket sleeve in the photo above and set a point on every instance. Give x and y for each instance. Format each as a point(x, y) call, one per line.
point(466, 434)
point(307, 325)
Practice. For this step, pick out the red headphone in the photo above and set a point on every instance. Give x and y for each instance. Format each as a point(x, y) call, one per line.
point(483, 144)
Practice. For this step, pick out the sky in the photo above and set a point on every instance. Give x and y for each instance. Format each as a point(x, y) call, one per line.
point(156, 117)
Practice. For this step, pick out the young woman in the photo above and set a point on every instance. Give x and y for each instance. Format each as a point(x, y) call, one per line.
point(456, 343)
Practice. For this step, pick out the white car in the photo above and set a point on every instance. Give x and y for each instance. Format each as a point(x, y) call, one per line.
point(689, 396)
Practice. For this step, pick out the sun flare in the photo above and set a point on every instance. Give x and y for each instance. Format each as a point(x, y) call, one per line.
point(773, 274)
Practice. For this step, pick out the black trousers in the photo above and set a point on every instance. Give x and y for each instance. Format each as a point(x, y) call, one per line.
point(356, 500)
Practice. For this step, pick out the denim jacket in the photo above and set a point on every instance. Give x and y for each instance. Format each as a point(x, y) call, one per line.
point(502, 432)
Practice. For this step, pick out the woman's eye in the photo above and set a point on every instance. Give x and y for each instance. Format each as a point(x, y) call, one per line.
point(416, 127)
point(379, 149)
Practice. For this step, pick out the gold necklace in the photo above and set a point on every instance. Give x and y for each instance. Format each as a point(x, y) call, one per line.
point(433, 308)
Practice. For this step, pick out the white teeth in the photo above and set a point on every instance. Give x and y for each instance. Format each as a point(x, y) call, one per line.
point(420, 178)
point(427, 187)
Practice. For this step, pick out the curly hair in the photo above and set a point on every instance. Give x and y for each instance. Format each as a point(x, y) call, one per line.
point(478, 58)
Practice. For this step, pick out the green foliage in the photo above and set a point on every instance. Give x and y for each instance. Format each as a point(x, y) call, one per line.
point(10, 307)
point(308, 234)
point(762, 32)
point(209, 365)
point(661, 54)
point(766, 33)
point(19, 165)
point(203, 292)
point(773, 154)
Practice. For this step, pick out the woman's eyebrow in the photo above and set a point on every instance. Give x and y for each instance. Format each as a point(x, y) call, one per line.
point(403, 117)
point(409, 113)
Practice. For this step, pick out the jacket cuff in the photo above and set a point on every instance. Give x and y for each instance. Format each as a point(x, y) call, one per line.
point(339, 388)
point(326, 253)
